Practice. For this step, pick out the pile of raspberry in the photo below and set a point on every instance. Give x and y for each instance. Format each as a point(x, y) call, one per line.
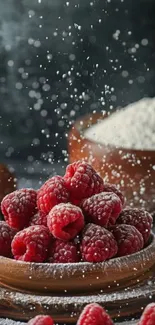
point(94, 314)
point(75, 218)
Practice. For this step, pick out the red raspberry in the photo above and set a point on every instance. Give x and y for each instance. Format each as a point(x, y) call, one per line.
point(148, 316)
point(41, 320)
point(63, 252)
point(94, 314)
point(113, 188)
point(138, 218)
point(52, 193)
point(102, 209)
point(65, 221)
point(98, 244)
point(40, 218)
point(6, 235)
point(31, 244)
point(129, 239)
point(18, 207)
point(82, 180)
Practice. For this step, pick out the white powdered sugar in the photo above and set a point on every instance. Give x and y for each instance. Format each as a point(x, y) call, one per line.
point(11, 322)
point(132, 127)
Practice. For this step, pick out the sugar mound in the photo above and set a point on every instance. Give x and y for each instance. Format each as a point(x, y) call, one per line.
point(130, 127)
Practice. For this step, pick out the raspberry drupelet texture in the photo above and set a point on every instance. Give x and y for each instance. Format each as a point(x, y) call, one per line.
point(148, 316)
point(40, 218)
point(129, 239)
point(41, 320)
point(82, 180)
point(52, 193)
point(98, 244)
point(18, 207)
point(31, 244)
point(65, 221)
point(102, 209)
point(94, 314)
point(6, 235)
point(63, 252)
point(139, 218)
point(113, 188)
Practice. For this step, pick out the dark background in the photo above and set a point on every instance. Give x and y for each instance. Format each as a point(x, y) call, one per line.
point(62, 59)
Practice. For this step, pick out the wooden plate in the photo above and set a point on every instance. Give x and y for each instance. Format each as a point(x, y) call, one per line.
point(122, 304)
point(77, 277)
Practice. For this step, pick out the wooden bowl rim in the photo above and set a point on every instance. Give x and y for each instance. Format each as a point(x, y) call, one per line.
point(77, 277)
point(79, 266)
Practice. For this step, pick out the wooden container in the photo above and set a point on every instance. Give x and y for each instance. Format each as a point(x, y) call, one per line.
point(76, 277)
point(133, 170)
point(7, 181)
point(62, 290)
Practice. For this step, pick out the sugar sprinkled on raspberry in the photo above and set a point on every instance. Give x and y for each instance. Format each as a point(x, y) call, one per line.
point(102, 209)
point(6, 235)
point(94, 314)
point(52, 193)
point(65, 221)
point(98, 244)
point(40, 218)
point(31, 244)
point(82, 180)
point(63, 252)
point(129, 239)
point(148, 316)
point(113, 188)
point(41, 320)
point(18, 207)
point(139, 218)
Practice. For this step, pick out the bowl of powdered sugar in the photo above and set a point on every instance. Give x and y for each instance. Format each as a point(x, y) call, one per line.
point(121, 146)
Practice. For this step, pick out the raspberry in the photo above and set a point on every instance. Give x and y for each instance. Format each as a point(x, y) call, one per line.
point(40, 218)
point(113, 188)
point(65, 221)
point(148, 316)
point(6, 235)
point(102, 209)
point(63, 252)
point(31, 244)
point(138, 218)
point(98, 244)
point(18, 207)
point(41, 320)
point(129, 239)
point(82, 180)
point(94, 314)
point(52, 193)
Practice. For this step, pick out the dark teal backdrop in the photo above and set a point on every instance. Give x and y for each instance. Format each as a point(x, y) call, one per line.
point(62, 59)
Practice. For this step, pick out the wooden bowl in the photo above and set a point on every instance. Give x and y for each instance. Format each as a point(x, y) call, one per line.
point(133, 170)
point(62, 290)
point(7, 181)
point(77, 277)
